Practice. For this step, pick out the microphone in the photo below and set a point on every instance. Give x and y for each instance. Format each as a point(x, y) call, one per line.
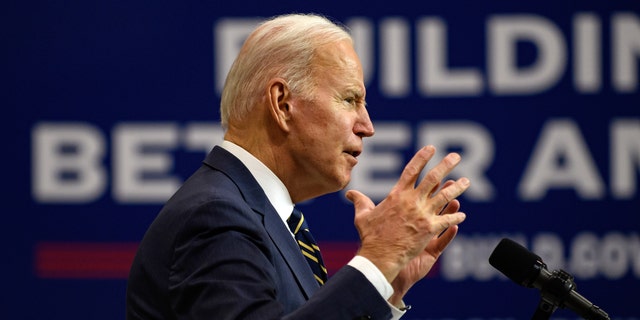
point(557, 287)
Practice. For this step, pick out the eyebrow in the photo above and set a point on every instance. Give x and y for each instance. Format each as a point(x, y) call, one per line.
point(356, 92)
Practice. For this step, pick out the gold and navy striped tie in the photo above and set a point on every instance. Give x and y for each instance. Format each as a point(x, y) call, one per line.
point(308, 245)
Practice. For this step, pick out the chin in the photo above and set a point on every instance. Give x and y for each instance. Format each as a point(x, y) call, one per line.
point(344, 181)
point(337, 180)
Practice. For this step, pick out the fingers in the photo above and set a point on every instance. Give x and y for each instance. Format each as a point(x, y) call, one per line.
point(444, 239)
point(412, 170)
point(436, 174)
point(451, 219)
point(451, 207)
point(448, 194)
point(429, 187)
point(432, 179)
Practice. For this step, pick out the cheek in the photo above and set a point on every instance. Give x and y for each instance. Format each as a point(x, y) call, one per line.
point(327, 131)
point(342, 128)
point(338, 123)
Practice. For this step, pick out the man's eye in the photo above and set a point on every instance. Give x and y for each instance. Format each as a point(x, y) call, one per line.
point(350, 100)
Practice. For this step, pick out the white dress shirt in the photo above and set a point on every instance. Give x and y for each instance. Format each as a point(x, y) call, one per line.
point(279, 197)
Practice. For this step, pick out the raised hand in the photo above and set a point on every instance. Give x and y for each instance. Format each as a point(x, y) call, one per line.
point(400, 235)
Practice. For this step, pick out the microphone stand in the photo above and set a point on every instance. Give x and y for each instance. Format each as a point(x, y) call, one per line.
point(553, 294)
point(556, 287)
point(545, 310)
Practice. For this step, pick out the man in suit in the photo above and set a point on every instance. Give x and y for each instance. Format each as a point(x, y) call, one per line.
point(295, 116)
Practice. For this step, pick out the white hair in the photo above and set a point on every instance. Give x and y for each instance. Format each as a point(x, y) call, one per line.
point(283, 46)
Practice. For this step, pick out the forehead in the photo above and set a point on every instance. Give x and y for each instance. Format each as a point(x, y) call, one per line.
point(339, 63)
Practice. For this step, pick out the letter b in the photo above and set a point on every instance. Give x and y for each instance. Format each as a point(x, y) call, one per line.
point(66, 163)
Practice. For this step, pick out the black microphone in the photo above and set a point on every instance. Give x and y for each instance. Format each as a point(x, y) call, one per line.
point(527, 269)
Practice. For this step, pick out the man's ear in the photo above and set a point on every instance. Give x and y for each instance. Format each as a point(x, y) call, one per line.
point(280, 102)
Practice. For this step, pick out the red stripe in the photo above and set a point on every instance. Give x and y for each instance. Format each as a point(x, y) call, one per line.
point(337, 254)
point(84, 260)
point(112, 260)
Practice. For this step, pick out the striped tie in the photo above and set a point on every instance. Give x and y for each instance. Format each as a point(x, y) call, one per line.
point(308, 246)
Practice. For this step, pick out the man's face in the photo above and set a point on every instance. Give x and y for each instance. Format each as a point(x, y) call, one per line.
point(329, 129)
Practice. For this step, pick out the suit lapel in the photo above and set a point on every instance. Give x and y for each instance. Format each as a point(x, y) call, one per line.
point(291, 252)
point(253, 194)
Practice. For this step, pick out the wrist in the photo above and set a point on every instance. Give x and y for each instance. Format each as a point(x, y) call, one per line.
point(389, 268)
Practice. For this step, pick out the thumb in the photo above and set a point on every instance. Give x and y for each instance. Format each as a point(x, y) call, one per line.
point(359, 200)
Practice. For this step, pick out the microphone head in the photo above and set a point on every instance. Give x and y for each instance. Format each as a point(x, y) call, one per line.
point(516, 262)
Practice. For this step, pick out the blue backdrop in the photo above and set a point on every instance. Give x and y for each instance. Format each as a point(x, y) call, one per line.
point(112, 104)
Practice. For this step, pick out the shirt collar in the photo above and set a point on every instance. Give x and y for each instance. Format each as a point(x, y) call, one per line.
point(275, 190)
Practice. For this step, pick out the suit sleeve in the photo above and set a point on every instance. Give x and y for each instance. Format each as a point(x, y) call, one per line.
point(347, 295)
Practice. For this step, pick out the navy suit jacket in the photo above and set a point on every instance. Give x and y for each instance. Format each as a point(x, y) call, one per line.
point(219, 250)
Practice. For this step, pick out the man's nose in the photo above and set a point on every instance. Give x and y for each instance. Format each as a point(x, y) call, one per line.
point(364, 127)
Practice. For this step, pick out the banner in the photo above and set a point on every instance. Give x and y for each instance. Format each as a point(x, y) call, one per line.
point(113, 104)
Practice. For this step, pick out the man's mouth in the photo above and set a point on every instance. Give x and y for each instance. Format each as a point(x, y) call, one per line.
point(354, 153)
